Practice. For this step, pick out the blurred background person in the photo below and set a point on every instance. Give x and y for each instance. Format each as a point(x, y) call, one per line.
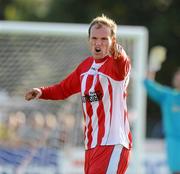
point(168, 99)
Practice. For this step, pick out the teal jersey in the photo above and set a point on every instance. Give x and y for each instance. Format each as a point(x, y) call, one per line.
point(169, 101)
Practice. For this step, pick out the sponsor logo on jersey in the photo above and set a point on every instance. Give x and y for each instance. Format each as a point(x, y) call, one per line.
point(92, 97)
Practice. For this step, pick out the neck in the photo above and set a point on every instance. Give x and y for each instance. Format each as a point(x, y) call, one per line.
point(101, 60)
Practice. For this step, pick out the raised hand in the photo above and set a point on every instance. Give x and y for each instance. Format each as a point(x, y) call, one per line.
point(116, 50)
point(156, 57)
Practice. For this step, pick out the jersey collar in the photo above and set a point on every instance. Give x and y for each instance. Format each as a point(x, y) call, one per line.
point(101, 60)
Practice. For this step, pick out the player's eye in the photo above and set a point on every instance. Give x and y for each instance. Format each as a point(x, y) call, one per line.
point(104, 38)
point(93, 38)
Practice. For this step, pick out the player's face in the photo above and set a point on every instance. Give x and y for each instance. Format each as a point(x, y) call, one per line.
point(100, 41)
point(176, 80)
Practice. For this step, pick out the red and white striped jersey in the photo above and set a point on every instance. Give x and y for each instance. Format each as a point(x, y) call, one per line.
point(102, 84)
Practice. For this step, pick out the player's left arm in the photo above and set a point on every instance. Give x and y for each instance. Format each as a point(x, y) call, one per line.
point(121, 60)
point(117, 50)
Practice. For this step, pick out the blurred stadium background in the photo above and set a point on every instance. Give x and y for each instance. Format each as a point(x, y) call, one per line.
point(47, 137)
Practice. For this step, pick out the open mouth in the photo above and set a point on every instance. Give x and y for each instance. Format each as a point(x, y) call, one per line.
point(97, 50)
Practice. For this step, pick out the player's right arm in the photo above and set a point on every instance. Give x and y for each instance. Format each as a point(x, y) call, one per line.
point(60, 91)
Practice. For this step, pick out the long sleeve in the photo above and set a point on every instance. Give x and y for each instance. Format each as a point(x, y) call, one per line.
point(120, 67)
point(64, 89)
point(156, 91)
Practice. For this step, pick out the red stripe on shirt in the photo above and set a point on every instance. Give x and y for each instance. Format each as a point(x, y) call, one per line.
point(89, 109)
point(130, 139)
point(100, 114)
point(123, 163)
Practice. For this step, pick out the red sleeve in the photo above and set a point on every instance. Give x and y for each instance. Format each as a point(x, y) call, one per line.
point(69, 86)
point(122, 66)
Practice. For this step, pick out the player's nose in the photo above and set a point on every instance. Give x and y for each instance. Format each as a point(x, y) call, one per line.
point(98, 42)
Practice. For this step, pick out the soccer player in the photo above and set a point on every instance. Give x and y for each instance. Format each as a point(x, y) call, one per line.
point(169, 101)
point(102, 81)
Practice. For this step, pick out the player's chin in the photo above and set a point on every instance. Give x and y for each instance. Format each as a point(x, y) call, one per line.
point(97, 55)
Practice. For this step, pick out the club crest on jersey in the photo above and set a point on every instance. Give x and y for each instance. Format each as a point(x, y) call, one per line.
point(92, 97)
point(93, 68)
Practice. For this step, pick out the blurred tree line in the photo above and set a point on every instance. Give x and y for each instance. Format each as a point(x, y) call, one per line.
point(161, 17)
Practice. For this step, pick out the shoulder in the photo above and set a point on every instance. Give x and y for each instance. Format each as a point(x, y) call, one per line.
point(116, 69)
point(124, 59)
point(85, 64)
point(88, 60)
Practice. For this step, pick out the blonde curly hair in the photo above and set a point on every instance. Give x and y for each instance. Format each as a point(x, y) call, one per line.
point(104, 20)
